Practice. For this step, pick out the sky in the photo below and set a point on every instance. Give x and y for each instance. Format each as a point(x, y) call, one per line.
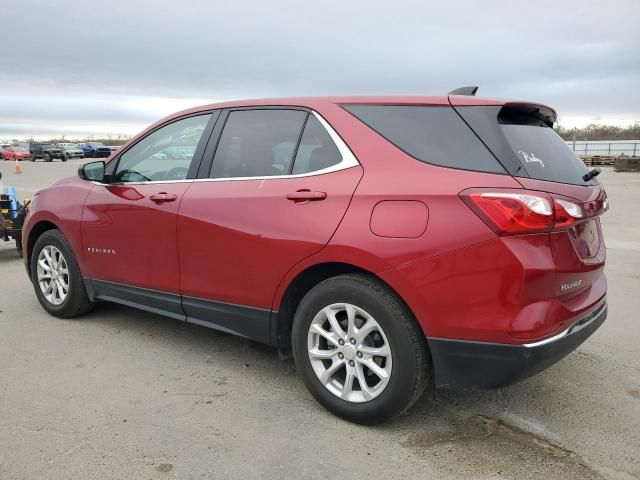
point(82, 67)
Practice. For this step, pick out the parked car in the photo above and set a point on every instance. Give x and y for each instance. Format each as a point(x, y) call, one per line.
point(71, 150)
point(95, 150)
point(391, 243)
point(15, 153)
point(45, 151)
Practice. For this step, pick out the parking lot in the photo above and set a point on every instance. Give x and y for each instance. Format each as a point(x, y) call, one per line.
point(121, 393)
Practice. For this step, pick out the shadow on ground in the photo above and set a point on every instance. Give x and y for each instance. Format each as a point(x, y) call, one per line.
point(442, 426)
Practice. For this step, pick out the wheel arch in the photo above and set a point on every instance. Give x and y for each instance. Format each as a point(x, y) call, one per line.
point(34, 233)
point(299, 286)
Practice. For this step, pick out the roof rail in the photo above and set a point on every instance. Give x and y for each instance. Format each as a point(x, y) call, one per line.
point(464, 91)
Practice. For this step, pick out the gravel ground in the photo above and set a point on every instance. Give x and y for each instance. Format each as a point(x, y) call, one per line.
point(127, 394)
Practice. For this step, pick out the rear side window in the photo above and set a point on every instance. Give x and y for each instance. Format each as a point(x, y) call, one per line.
point(316, 150)
point(258, 143)
point(434, 135)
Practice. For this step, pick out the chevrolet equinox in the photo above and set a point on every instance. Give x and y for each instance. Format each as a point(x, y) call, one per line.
point(390, 243)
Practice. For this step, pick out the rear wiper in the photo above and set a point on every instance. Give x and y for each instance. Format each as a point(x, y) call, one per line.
point(591, 174)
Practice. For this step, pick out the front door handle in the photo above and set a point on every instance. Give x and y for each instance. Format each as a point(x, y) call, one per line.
point(304, 196)
point(163, 197)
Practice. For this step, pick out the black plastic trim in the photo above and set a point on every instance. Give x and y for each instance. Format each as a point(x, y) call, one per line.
point(204, 168)
point(162, 303)
point(482, 121)
point(249, 322)
point(468, 364)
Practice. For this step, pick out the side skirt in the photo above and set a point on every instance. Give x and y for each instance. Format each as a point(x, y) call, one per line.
point(249, 322)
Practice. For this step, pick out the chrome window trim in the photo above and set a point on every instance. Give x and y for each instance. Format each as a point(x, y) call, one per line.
point(349, 160)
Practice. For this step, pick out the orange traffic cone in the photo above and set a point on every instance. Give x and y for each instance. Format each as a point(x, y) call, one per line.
point(18, 168)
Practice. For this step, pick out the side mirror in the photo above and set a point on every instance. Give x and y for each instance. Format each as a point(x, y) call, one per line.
point(92, 171)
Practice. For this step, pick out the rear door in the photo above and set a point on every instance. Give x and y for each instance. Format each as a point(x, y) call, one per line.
point(281, 181)
point(521, 137)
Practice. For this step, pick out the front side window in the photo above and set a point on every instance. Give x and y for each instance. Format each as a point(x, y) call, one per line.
point(164, 155)
point(258, 143)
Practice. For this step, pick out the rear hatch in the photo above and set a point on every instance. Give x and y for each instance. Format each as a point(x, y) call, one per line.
point(521, 137)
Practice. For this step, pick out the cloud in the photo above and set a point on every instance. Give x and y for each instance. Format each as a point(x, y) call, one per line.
point(122, 64)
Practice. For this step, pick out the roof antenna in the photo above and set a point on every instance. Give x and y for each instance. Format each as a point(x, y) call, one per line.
point(464, 91)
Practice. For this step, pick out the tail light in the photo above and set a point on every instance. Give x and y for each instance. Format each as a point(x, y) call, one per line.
point(521, 212)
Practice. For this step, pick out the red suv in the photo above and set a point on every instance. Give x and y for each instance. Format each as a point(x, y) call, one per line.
point(390, 243)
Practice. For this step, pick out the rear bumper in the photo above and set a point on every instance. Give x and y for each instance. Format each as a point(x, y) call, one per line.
point(467, 364)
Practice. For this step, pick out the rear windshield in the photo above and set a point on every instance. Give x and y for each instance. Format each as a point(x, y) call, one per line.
point(435, 135)
point(521, 138)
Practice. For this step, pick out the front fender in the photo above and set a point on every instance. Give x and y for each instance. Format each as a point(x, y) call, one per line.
point(60, 205)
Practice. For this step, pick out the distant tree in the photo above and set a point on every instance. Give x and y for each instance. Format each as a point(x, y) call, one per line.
point(600, 132)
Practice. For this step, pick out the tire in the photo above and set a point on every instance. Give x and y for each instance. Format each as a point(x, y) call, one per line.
point(77, 300)
point(46, 157)
point(65, 157)
point(408, 364)
point(32, 158)
point(19, 246)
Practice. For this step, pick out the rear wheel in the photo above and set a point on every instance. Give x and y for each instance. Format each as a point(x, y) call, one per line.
point(66, 157)
point(32, 158)
point(56, 277)
point(359, 350)
point(46, 157)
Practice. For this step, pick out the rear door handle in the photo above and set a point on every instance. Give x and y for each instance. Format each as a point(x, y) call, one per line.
point(304, 196)
point(163, 197)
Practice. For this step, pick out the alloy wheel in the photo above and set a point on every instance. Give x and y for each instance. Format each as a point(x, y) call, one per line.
point(53, 275)
point(349, 352)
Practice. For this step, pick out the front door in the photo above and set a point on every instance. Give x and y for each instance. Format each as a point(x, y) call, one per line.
point(129, 223)
point(280, 184)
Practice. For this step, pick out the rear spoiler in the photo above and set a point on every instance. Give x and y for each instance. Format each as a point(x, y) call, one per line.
point(465, 97)
point(547, 114)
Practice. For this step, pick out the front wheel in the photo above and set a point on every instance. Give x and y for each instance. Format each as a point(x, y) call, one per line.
point(359, 349)
point(46, 157)
point(56, 276)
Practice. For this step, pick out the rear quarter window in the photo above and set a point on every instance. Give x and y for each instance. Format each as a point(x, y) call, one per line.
point(435, 135)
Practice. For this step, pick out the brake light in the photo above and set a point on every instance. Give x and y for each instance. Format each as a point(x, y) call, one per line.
point(512, 213)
